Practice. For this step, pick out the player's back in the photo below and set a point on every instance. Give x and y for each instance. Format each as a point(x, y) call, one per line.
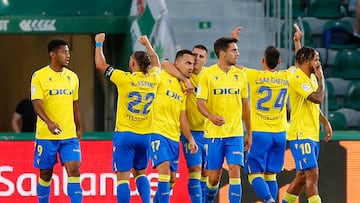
point(136, 93)
point(268, 98)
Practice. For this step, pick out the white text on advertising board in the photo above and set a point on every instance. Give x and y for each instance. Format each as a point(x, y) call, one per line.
point(3, 25)
point(38, 25)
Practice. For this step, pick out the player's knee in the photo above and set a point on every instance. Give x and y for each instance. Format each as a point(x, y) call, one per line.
point(234, 170)
point(194, 169)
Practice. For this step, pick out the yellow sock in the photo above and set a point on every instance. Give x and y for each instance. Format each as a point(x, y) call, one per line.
point(290, 198)
point(314, 199)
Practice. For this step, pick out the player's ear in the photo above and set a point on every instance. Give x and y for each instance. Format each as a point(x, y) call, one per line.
point(52, 54)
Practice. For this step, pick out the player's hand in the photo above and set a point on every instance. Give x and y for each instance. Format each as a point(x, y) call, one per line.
point(318, 71)
point(329, 132)
point(100, 37)
point(143, 39)
point(298, 33)
point(248, 142)
point(188, 88)
point(217, 120)
point(79, 134)
point(193, 147)
point(236, 32)
point(54, 128)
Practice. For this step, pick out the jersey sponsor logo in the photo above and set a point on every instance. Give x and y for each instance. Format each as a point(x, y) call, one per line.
point(54, 92)
point(218, 91)
point(174, 95)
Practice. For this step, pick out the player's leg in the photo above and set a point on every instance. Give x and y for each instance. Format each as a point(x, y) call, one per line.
point(162, 154)
point(312, 173)
point(140, 165)
point(213, 166)
point(123, 156)
point(275, 162)
point(256, 163)
point(295, 188)
point(193, 162)
point(45, 157)
point(163, 191)
point(235, 160)
point(298, 148)
point(70, 155)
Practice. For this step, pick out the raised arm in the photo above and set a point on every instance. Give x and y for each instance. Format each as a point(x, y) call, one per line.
point(100, 61)
point(297, 37)
point(235, 33)
point(153, 56)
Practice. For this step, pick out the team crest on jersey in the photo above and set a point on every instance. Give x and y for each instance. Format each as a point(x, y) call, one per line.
point(236, 77)
point(170, 80)
point(216, 77)
point(50, 79)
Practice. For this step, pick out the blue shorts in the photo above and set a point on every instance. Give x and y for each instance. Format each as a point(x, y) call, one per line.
point(305, 153)
point(164, 149)
point(45, 156)
point(266, 153)
point(199, 157)
point(130, 150)
point(218, 148)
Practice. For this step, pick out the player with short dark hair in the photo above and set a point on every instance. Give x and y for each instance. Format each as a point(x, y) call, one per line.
point(306, 91)
point(170, 118)
point(54, 94)
point(222, 97)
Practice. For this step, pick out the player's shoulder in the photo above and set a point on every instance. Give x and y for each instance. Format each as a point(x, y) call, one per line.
point(41, 71)
point(209, 69)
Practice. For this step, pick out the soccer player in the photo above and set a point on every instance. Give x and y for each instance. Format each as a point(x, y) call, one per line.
point(195, 161)
point(134, 116)
point(222, 97)
point(269, 94)
point(54, 94)
point(306, 93)
point(170, 117)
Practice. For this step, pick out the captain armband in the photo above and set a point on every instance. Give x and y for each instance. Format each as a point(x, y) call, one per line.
point(109, 70)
